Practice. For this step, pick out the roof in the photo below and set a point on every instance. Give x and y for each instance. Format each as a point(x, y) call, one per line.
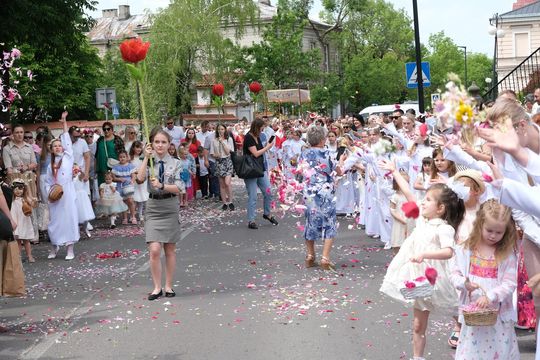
point(112, 28)
point(267, 12)
point(81, 123)
point(209, 117)
point(525, 11)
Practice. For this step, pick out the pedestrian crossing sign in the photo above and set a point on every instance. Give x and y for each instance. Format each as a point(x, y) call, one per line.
point(412, 76)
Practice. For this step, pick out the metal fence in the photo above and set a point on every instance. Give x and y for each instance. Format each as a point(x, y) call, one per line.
point(523, 79)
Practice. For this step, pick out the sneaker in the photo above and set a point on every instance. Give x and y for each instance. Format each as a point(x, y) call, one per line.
point(224, 207)
point(271, 219)
point(231, 206)
point(253, 225)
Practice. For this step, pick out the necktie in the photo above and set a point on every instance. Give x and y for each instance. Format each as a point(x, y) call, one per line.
point(161, 172)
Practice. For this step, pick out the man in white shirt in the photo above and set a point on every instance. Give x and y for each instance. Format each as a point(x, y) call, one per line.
point(176, 132)
point(205, 137)
point(81, 152)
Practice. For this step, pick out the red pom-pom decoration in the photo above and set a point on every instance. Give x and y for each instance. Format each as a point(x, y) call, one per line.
point(255, 87)
point(410, 209)
point(431, 275)
point(423, 130)
point(218, 89)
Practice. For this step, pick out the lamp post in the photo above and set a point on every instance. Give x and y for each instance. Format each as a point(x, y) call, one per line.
point(418, 59)
point(496, 33)
point(465, 52)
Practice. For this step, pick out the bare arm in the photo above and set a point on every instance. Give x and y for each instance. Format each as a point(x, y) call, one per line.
point(402, 183)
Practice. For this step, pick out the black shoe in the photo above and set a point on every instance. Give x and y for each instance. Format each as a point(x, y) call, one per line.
point(113, 226)
point(252, 225)
point(152, 297)
point(224, 207)
point(271, 219)
point(170, 294)
point(231, 206)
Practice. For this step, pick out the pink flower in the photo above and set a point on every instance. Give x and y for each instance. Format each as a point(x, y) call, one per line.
point(420, 279)
point(409, 284)
point(431, 275)
point(15, 53)
point(487, 178)
point(410, 209)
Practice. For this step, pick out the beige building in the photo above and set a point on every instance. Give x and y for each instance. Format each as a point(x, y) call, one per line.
point(517, 35)
point(116, 25)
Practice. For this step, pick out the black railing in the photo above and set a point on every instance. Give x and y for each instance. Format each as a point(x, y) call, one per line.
point(523, 79)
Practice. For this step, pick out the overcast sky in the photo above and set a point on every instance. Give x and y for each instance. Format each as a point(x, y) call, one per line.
point(465, 21)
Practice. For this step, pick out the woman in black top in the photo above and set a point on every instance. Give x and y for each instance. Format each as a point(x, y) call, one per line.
point(253, 145)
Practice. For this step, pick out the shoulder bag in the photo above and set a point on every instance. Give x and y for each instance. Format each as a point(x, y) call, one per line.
point(110, 161)
point(246, 166)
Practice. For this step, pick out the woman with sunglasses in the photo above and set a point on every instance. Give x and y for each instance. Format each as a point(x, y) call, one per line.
point(130, 136)
point(108, 146)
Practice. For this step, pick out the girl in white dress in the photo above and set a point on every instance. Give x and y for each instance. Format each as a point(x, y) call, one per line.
point(402, 226)
point(422, 181)
point(430, 245)
point(141, 192)
point(64, 218)
point(84, 208)
point(110, 202)
point(485, 270)
point(24, 232)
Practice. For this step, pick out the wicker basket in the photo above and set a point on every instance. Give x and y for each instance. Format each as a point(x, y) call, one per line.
point(420, 291)
point(483, 317)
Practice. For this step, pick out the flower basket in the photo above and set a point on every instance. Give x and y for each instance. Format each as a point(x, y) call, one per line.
point(475, 316)
point(416, 289)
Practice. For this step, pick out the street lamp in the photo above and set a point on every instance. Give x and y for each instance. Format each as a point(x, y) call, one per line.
point(465, 52)
point(496, 33)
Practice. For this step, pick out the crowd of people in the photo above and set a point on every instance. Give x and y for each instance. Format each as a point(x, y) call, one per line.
point(457, 210)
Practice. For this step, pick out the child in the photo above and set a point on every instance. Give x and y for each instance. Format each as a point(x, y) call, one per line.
point(124, 175)
point(422, 180)
point(430, 245)
point(141, 192)
point(441, 169)
point(84, 205)
point(110, 202)
point(185, 175)
point(202, 165)
point(21, 204)
point(402, 226)
point(485, 270)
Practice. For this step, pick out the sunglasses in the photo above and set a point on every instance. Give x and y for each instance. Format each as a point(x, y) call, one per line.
point(393, 117)
point(107, 129)
point(132, 133)
point(347, 127)
point(169, 123)
point(28, 137)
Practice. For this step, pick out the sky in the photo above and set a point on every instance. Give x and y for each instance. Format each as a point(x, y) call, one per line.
point(464, 21)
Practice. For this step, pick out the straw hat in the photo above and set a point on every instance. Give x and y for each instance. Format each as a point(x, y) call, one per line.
point(474, 175)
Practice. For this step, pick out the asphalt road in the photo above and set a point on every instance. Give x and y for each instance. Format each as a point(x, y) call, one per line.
point(241, 294)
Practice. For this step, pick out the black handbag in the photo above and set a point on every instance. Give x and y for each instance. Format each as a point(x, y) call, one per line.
point(247, 167)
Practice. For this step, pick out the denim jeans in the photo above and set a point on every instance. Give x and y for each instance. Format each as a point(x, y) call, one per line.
point(264, 185)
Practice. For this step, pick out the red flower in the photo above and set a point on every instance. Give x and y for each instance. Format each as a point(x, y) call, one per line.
point(420, 279)
point(134, 50)
point(255, 87)
point(410, 209)
point(431, 275)
point(487, 178)
point(409, 284)
point(423, 130)
point(218, 89)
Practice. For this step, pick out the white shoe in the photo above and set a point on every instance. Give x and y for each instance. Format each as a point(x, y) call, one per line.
point(88, 234)
point(387, 247)
point(70, 254)
point(89, 227)
point(376, 236)
point(53, 252)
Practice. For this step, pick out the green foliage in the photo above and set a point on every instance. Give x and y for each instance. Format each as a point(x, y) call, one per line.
point(326, 95)
point(186, 41)
point(479, 67)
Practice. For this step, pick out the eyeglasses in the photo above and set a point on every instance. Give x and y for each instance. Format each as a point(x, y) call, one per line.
point(28, 137)
point(132, 133)
point(346, 127)
point(169, 123)
point(107, 129)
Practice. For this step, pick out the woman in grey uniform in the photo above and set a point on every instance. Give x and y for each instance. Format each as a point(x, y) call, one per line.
point(162, 224)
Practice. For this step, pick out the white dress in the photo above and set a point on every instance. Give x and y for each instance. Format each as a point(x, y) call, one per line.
point(25, 229)
point(64, 218)
point(141, 191)
point(84, 205)
point(431, 235)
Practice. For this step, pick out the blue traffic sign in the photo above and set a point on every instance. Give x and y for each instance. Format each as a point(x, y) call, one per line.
point(115, 111)
point(412, 80)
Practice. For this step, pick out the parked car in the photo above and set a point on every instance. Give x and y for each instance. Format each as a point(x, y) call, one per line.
point(387, 109)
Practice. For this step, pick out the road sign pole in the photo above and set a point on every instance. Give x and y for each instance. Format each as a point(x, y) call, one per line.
point(419, 75)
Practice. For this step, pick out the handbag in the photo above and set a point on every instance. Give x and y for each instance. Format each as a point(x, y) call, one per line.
point(128, 190)
point(247, 167)
point(6, 231)
point(11, 270)
point(110, 161)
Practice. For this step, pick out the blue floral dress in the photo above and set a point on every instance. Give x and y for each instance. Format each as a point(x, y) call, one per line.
point(319, 195)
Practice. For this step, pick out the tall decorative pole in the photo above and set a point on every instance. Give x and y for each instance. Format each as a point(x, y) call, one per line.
point(218, 90)
point(255, 88)
point(134, 54)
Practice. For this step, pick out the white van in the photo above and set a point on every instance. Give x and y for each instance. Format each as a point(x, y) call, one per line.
point(387, 109)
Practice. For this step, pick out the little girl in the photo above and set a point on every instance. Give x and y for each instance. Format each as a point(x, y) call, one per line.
point(422, 180)
point(430, 245)
point(124, 175)
point(141, 192)
point(110, 202)
point(402, 226)
point(188, 168)
point(24, 232)
point(485, 270)
point(84, 205)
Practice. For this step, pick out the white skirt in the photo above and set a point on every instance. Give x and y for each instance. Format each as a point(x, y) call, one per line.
point(84, 205)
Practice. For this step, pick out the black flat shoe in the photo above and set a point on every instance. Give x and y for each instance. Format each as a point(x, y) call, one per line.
point(152, 297)
point(271, 219)
point(170, 294)
point(252, 225)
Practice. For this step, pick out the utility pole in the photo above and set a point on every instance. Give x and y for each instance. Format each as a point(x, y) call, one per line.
point(419, 73)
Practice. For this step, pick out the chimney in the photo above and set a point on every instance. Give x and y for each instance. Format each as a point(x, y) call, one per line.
point(109, 13)
point(521, 3)
point(123, 12)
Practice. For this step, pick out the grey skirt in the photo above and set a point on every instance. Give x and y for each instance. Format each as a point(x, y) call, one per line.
point(162, 221)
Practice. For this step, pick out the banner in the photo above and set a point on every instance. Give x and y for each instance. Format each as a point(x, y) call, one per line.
point(288, 96)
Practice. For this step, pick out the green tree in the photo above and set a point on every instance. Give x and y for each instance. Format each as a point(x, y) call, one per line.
point(479, 67)
point(187, 40)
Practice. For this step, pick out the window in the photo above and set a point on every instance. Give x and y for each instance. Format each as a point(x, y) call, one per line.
point(522, 46)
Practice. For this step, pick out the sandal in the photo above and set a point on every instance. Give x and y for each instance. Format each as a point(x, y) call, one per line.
point(326, 264)
point(453, 340)
point(124, 222)
point(310, 261)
